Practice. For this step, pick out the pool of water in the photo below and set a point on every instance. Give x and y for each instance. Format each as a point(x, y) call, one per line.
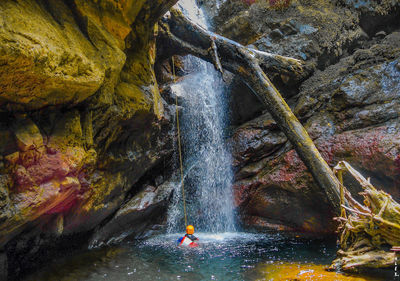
point(225, 256)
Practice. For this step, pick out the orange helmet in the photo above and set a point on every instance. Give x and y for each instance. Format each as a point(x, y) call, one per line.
point(190, 229)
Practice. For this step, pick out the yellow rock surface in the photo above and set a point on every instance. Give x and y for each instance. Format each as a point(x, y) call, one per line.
point(304, 272)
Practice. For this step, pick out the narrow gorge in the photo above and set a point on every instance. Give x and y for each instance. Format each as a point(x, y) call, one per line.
point(90, 183)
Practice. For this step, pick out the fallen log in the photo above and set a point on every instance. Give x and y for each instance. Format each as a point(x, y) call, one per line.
point(366, 231)
point(178, 35)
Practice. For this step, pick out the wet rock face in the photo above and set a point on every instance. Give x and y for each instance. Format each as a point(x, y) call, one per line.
point(291, 28)
point(82, 119)
point(317, 32)
point(349, 104)
point(351, 110)
point(139, 217)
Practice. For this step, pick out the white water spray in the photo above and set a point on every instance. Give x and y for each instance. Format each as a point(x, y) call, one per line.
point(207, 162)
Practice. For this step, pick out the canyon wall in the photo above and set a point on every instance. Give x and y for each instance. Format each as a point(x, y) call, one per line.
point(82, 121)
point(86, 127)
point(349, 102)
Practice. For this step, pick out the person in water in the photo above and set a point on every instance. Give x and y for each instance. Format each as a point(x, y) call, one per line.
point(190, 232)
point(189, 239)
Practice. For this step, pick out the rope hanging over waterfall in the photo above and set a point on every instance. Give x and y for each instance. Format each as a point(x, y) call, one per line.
point(179, 146)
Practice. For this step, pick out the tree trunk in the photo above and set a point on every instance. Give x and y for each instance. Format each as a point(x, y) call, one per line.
point(179, 35)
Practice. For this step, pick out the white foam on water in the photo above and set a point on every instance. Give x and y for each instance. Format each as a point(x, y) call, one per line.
point(206, 238)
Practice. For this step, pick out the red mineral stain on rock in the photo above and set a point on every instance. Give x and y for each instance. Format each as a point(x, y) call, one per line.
point(279, 4)
point(397, 163)
point(48, 167)
point(64, 205)
point(241, 192)
point(22, 177)
point(262, 195)
point(249, 2)
point(45, 181)
point(287, 171)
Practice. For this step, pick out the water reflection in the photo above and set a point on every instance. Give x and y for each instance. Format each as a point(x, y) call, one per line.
point(225, 256)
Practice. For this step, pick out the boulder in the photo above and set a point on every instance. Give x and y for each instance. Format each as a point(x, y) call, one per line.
point(46, 59)
point(136, 218)
point(351, 110)
point(27, 134)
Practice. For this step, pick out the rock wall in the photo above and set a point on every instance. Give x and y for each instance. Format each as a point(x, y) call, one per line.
point(86, 139)
point(348, 102)
point(82, 120)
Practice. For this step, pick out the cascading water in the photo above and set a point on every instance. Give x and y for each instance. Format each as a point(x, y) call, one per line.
point(230, 255)
point(207, 162)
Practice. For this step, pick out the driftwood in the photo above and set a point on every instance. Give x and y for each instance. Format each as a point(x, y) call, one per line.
point(367, 231)
point(179, 35)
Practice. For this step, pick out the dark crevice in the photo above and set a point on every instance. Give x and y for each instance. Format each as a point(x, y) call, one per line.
point(372, 23)
point(80, 20)
point(50, 9)
point(31, 251)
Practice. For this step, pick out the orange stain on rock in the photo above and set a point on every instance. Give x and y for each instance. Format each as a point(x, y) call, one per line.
point(305, 272)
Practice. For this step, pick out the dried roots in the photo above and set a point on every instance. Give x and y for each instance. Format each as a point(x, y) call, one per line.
point(368, 231)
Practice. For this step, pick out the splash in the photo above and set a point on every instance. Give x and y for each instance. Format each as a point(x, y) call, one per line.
point(207, 161)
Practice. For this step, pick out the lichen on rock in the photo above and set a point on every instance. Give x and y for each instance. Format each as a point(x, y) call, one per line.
point(82, 116)
point(349, 108)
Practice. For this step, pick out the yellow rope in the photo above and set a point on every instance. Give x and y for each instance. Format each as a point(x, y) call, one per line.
point(179, 146)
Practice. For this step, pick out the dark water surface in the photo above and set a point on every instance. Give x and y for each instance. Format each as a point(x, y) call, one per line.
point(226, 256)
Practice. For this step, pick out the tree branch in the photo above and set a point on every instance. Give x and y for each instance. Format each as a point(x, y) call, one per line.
point(178, 35)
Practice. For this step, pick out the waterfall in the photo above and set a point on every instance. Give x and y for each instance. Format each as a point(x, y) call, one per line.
point(207, 161)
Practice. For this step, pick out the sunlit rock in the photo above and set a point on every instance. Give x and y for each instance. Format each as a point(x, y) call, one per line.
point(78, 98)
point(303, 272)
